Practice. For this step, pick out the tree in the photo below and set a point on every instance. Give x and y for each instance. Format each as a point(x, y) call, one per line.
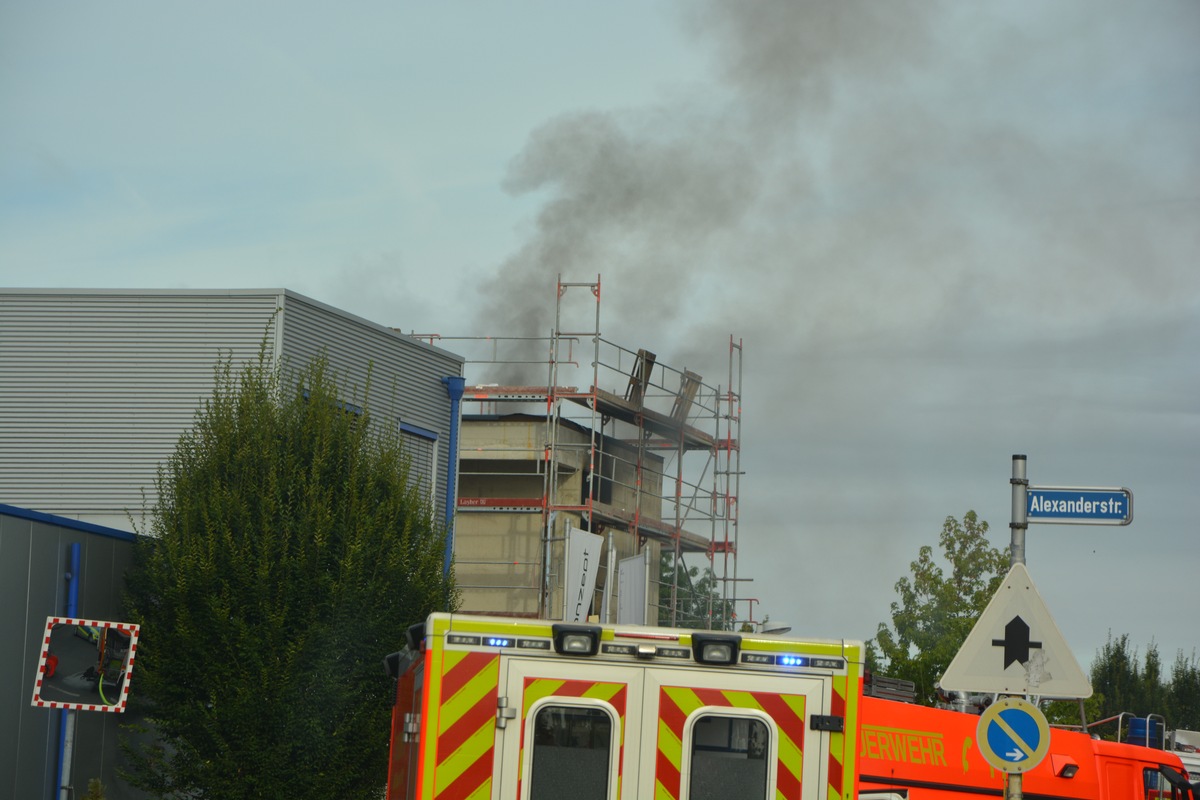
point(936, 610)
point(290, 550)
point(698, 601)
point(1183, 693)
point(1121, 682)
point(1116, 678)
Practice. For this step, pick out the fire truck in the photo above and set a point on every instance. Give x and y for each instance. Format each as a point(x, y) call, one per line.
point(493, 707)
point(923, 753)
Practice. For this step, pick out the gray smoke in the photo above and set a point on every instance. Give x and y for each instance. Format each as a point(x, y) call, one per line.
point(925, 221)
point(859, 169)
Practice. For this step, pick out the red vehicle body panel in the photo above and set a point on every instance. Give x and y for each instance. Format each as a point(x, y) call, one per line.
point(932, 754)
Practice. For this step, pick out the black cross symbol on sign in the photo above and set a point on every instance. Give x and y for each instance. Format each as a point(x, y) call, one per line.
point(1016, 642)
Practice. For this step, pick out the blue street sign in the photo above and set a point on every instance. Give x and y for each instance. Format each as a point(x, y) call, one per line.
point(1060, 504)
point(1013, 735)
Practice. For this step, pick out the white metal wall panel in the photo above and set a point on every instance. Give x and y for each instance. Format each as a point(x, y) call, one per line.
point(97, 386)
point(405, 374)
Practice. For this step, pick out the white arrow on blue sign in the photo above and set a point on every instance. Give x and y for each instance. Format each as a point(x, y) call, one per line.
point(1013, 735)
point(1079, 506)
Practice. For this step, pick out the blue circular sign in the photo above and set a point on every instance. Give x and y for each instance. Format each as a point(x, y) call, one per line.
point(1013, 735)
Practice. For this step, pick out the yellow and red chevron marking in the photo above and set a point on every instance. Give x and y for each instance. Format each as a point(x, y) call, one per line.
point(466, 726)
point(612, 693)
point(837, 742)
point(676, 703)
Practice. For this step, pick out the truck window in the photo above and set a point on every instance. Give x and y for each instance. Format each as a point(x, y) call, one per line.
point(1157, 787)
point(572, 748)
point(728, 758)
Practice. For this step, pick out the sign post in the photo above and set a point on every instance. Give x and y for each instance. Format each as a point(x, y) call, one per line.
point(1015, 648)
point(1013, 737)
point(1061, 505)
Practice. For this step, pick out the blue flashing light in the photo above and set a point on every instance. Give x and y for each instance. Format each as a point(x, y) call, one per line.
point(793, 661)
point(496, 641)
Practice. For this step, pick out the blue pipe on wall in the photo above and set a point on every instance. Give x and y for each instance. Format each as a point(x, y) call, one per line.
point(73, 582)
point(455, 385)
point(72, 610)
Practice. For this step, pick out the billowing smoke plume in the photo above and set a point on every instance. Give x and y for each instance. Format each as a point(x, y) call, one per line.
point(943, 231)
point(855, 170)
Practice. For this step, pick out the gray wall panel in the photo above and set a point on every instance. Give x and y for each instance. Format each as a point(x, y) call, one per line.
point(34, 560)
point(406, 375)
point(14, 691)
point(95, 388)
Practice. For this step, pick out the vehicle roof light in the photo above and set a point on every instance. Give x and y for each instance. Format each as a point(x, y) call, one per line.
point(715, 648)
point(576, 640)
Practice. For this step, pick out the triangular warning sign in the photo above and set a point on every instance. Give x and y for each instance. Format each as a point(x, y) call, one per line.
point(1015, 648)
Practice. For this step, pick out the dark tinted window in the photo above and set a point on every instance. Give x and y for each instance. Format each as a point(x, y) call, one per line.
point(572, 748)
point(728, 758)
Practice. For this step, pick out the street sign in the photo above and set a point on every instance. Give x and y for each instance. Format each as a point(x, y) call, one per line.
point(1079, 506)
point(1016, 648)
point(1013, 735)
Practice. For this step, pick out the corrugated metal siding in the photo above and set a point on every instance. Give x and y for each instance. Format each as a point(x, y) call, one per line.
point(96, 387)
point(406, 375)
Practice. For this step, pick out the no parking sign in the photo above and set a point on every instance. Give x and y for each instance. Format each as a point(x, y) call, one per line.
point(1013, 735)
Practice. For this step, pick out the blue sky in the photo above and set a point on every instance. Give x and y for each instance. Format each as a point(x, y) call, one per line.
point(946, 233)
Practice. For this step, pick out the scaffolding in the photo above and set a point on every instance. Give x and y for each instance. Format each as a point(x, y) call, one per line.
point(625, 443)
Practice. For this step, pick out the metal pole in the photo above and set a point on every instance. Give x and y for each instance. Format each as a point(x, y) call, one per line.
point(1020, 504)
point(66, 742)
point(609, 576)
point(566, 568)
point(1018, 526)
point(455, 385)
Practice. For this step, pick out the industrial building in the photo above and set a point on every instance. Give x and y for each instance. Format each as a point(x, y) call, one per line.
point(96, 386)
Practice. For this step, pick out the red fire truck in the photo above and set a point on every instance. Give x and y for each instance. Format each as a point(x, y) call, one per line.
point(927, 753)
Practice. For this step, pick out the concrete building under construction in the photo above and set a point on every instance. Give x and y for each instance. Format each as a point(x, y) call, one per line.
point(613, 443)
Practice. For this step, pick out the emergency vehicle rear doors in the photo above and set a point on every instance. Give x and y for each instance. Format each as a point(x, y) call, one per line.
point(617, 732)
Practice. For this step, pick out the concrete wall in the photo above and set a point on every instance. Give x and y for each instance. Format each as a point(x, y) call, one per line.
point(499, 547)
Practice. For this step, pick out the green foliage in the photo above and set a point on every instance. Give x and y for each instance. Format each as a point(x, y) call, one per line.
point(937, 609)
point(289, 553)
point(1121, 682)
point(1183, 693)
point(1065, 713)
point(95, 790)
point(1116, 677)
point(698, 600)
point(872, 658)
